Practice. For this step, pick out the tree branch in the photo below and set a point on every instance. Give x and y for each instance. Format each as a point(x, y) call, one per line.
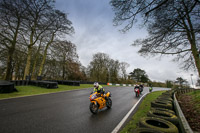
point(156, 7)
point(172, 53)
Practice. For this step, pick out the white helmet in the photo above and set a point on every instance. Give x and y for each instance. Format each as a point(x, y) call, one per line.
point(96, 84)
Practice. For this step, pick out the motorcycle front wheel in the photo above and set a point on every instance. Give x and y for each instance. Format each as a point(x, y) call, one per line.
point(136, 94)
point(94, 108)
point(109, 103)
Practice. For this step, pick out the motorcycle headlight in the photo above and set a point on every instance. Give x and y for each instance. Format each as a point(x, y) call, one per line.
point(93, 97)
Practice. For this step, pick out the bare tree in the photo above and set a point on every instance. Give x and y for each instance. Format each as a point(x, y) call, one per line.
point(98, 67)
point(42, 20)
point(181, 81)
point(123, 67)
point(104, 69)
point(65, 54)
point(114, 70)
point(60, 25)
point(12, 13)
point(36, 58)
point(36, 24)
point(173, 27)
point(139, 75)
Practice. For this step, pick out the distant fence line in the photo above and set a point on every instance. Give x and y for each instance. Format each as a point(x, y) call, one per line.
point(63, 82)
point(120, 84)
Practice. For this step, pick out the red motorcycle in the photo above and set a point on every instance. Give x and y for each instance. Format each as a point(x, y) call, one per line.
point(137, 92)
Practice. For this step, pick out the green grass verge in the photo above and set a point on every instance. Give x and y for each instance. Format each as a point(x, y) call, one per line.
point(141, 112)
point(195, 100)
point(34, 90)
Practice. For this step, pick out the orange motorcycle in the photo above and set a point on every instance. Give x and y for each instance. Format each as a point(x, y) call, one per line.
point(98, 101)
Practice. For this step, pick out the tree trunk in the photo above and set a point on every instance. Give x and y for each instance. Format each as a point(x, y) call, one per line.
point(17, 71)
point(35, 61)
point(28, 62)
point(43, 60)
point(11, 51)
point(63, 75)
point(45, 55)
point(8, 75)
point(192, 39)
point(30, 47)
point(196, 57)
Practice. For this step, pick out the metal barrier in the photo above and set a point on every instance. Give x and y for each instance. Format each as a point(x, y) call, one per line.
point(184, 126)
point(183, 91)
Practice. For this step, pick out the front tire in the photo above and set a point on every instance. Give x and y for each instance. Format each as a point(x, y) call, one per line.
point(109, 103)
point(94, 108)
point(136, 94)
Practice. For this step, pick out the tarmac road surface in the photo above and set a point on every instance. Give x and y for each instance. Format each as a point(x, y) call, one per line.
point(64, 112)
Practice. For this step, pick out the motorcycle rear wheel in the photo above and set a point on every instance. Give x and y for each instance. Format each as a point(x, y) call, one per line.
point(94, 108)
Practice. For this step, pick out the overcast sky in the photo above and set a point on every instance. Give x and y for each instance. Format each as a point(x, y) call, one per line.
point(94, 32)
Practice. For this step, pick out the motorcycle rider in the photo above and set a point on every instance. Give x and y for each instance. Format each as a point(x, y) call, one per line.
point(141, 88)
point(99, 89)
point(137, 86)
point(150, 88)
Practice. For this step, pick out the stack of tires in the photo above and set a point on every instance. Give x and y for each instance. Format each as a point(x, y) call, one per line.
point(161, 118)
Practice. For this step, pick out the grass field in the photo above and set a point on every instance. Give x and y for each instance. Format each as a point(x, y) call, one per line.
point(33, 90)
point(141, 112)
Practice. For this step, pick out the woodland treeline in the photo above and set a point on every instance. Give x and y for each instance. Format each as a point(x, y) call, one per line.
point(32, 43)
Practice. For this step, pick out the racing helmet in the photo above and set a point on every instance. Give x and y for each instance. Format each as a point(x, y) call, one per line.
point(96, 84)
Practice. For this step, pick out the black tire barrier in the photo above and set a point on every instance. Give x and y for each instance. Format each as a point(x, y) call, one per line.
point(164, 98)
point(162, 109)
point(35, 82)
point(67, 82)
point(168, 92)
point(92, 82)
point(39, 77)
point(146, 130)
point(72, 83)
point(158, 124)
point(163, 101)
point(21, 82)
point(167, 95)
point(164, 115)
point(162, 105)
point(7, 87)
point(48, 84)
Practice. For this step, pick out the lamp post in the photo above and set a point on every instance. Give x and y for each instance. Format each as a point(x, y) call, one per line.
point(191, 79)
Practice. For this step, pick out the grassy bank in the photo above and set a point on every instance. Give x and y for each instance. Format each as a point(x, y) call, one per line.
point(196, 99)
point(33, 90)
point(141, 112)
point(190, 105)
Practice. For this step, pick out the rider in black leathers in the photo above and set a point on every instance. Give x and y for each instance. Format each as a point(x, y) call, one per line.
point(141, 88)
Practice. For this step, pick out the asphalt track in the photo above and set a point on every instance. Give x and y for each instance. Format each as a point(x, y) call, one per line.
point(64, 112)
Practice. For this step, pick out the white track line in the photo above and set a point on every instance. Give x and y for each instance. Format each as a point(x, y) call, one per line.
point(116, 130)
